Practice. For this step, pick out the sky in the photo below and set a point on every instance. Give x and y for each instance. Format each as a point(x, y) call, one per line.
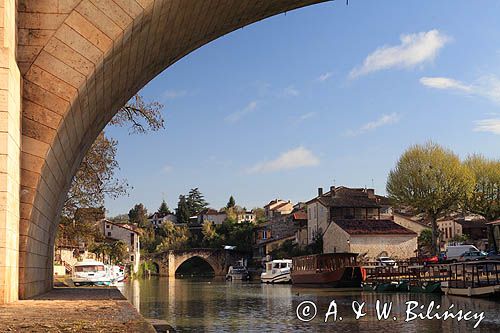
point(325, 95)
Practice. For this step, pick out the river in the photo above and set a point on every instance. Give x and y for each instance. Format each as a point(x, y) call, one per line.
point(217, 306)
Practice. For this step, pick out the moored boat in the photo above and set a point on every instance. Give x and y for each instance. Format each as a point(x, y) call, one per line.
point(237, 273)
point(91, 272)
point(338, 270)
point(277, 271)
point(477, 278)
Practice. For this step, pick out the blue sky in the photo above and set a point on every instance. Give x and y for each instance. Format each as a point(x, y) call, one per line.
point(329, 93)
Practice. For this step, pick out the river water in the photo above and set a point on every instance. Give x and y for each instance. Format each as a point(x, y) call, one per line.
point(219, 306)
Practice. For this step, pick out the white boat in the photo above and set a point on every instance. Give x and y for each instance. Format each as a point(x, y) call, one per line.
point(92, 272)
point(118, 273)
point(277, 271)
point(237, 273)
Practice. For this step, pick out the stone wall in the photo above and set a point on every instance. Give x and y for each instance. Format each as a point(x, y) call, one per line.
point(10, 150)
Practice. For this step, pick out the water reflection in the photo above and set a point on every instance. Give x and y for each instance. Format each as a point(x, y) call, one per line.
point(219, 306)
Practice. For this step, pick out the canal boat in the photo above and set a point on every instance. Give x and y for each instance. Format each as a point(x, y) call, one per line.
point(92, 272)
point(337, 270)
point(277, 271)
point(237, 273)
point(476, 278)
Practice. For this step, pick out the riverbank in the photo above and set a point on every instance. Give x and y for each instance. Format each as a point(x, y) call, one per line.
point(96, 309)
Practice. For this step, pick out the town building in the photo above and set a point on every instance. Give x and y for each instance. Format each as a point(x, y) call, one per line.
point(356, 220)
point(278, 207)
point(470, 228)
point(129, 235)
point(212, 216)
point(157, 219)
point(246, 216)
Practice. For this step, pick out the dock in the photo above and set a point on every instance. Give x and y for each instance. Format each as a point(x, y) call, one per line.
point(94, 309)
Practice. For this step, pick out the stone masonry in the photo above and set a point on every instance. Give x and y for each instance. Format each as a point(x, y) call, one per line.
point(66, 67)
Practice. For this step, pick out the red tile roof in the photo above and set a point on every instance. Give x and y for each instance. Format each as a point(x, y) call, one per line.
point(372, 227)
point(300, 215)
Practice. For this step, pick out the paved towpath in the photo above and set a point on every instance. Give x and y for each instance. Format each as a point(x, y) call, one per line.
point(94, 309)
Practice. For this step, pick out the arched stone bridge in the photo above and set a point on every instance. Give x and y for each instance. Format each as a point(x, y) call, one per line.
point(169, 261)
point(66, 68)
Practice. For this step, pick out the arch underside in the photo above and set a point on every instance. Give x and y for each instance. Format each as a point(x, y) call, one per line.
point(215, 267)
point(90, 58)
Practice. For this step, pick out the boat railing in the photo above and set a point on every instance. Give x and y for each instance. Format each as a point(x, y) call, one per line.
point(474, 274)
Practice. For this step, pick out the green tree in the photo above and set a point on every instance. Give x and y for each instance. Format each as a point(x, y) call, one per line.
point(176, 237)
point(164, 208)
point(425, 241)
point(485, 198)
point(211, 238)
point(260, 215)
point(195, 201)
point(182, 212)
point(139, 215)
point(118, 252)
point(432, 180)
point(231, 202)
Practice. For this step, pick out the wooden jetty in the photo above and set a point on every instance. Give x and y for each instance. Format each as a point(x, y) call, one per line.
point(473, 278)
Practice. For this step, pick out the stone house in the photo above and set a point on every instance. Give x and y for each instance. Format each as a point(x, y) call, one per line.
point(350, 219)
point(494, 235)
point(278, 207)
point(129, 235)
point(473, 226)
point(211, 215)
point(370, 238)
point(246, 216)
point(411, 222)
point(157, 219)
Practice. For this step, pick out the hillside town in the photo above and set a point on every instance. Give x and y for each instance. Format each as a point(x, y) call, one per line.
point(342, 219)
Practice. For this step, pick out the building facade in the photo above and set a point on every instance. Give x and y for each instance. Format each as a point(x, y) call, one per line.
point(157, 219)
point(129, 236)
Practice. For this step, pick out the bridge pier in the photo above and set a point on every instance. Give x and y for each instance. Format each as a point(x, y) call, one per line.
point(10, 152)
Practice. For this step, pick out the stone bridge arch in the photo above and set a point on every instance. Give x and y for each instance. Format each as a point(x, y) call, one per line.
point(169, 261)
point(71, 64)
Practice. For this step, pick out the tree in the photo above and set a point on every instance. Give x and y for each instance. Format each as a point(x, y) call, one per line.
point(195, 201)
point(139, 215)
point(425, 240)
point(96, 178)
point(432, 180)
point(182, 212)
point(485, 197)
point(231, 202)
point(176, 237)
point(211, 238)
point(164, 208)
point(118, 252)
point(260, 215)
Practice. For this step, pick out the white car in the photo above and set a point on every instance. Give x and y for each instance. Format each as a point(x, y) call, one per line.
point(386, 262)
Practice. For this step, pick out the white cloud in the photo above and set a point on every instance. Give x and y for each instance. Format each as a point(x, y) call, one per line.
point(488, 125)
point(305, 116)
point(292, 159)
point(325, 76)
point(444, 83)
point(385, 119)
point(414, 49)
point(167, 168)
point(290, 91)
point(487, 86)
point(236, 116)
point(172, 94)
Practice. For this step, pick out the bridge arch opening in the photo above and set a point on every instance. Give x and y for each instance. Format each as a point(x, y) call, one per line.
point(195, 267)
point(91, 65)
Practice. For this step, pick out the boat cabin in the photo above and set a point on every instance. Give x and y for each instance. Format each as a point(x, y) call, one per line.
point(324, 262)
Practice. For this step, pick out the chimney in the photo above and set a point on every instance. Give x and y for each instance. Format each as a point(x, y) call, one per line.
point(320, 191)
point(332, 191)
point(371, 193)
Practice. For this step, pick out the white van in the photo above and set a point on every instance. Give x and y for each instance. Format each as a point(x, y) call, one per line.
point(453, 252)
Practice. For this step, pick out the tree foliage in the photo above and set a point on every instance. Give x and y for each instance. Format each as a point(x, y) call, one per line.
point(196, 201)
point(139, 215)
point(174, 237)
point(485, 197)
point(164, 208)
point(182, 212)
point(432, 180)
point(231, 202)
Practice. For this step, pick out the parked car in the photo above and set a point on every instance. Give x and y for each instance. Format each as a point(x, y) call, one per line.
point(425, 260)
point(472, 255)
point(453, 252)
point(386, 262)
point(493, 255)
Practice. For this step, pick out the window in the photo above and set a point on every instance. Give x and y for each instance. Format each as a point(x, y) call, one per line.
point(131, 258)
point(132, 240)
point(109, 233)
point(107, 226)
